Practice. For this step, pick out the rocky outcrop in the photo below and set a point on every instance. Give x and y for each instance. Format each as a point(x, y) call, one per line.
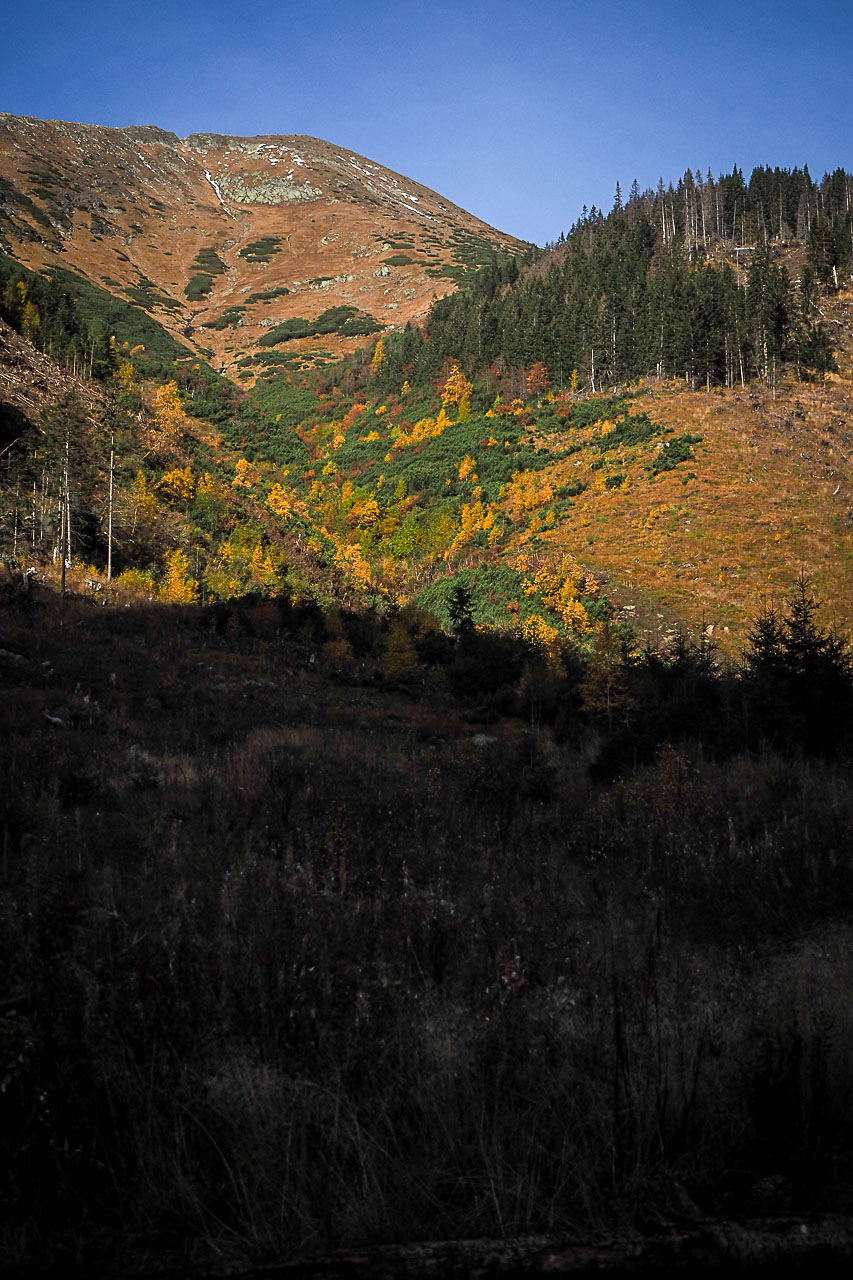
point(247, 190)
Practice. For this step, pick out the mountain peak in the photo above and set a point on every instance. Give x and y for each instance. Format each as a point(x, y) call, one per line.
point(225, 239)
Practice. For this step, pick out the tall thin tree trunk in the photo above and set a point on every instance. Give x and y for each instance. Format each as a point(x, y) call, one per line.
point(66, 527)
point(110, 514)
point(63, 527)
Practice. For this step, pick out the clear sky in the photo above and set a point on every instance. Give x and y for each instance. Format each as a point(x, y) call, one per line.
point(520, 112)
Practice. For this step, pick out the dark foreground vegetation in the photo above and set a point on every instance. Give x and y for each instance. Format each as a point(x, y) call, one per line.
point(324, 930)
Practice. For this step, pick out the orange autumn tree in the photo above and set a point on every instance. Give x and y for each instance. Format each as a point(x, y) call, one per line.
point(178, 587)
point(169, 415)
point(178, 485)
point(560, 587)
point(378, 360)
point(457, 390)
point(536, 380)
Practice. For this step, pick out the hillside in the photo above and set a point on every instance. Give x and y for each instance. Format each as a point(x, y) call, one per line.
point(223, 238)
point(769, 490)
point(425, 802)
point(648, 420)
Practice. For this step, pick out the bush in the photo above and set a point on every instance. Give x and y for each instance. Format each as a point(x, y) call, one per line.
point(267, 296)
point(673, 452)
point(261, 250)
point(199, 286)
point(208, 261)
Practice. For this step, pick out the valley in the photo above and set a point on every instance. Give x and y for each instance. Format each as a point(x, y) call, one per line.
point(425, 718)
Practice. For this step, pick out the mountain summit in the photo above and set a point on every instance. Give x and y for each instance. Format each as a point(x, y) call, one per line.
point(225, 239)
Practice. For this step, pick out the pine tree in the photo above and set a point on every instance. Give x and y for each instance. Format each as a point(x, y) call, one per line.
point(798, 677)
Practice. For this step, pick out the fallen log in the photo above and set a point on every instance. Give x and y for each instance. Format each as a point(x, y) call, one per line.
point(777, 1246)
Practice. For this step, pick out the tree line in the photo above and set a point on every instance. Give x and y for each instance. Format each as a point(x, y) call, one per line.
point(685, 282)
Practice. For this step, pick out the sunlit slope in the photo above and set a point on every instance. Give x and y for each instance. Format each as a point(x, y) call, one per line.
point(768, 491)
point(223, 239)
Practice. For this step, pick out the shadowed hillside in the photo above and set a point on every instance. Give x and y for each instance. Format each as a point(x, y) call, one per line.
point(308, 943)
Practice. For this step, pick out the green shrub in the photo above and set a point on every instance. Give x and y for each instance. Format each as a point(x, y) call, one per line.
point(297, 327)
point(268, 295)
point(199, 286)
point(638, 429)
point(359, 326)
point(586, 412)
point(228, 319)
point(346, 321)
point(261, 250)
point(673, 452)
point(209, 261)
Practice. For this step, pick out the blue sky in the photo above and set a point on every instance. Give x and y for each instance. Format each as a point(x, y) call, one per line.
point(521, 113)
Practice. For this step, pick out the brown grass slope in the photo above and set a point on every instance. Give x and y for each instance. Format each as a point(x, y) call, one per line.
point(132, 208)
point(768, 493)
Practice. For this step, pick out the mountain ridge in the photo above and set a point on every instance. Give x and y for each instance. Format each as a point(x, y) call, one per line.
point(214, 232)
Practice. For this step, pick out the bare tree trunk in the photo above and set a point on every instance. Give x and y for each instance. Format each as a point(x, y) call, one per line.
point(62, 534)
point(66, 521)
point(110, 514)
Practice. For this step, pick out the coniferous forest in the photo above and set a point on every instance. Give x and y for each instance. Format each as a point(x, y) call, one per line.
point(649, 290)
point(377, 864)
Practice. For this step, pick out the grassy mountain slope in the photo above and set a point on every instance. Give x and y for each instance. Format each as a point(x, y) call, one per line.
point(669, 501)
point(224, 239)
point(769, 489)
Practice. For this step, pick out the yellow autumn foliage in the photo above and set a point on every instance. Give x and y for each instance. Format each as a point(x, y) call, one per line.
point(559, 587)
point(168, 411)
point(526, 491)
point(351, 562)
point(457, 388)
point(178, 485)
point(143, 504)
point(283, 502)
point(378, 361)
point(241, 475)
point(537, 630)
point(177, 586)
